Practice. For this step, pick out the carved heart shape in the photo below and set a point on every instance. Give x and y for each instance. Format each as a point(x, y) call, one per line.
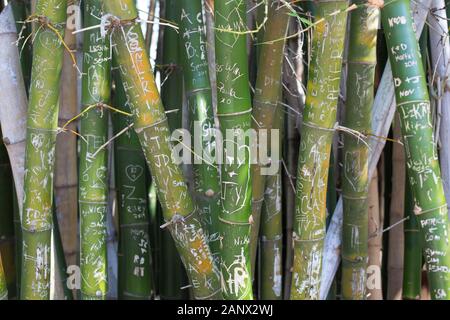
point(134, 172)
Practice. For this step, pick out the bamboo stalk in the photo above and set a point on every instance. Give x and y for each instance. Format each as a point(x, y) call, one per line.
point(151, 125)
point(3, 286)
point(317, 131)
point(93, 187)
point(412, 260)
point(396, 214)
point(206, 182)
point(355, 182)
point(173, 276)
point(40, 152)
point(66, 164)
point(265, 107)
point(421, 155)
point(234, 112)
point(374, 249)
point(135, 278)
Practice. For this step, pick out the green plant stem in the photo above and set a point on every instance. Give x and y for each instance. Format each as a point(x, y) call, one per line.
point(40, 150)
point(93, 180)
point(150, 124)
point(206, 182)
point(234, 112)
point(317, 131)
point(358, 117)
point(422, 163)
point(135, 275)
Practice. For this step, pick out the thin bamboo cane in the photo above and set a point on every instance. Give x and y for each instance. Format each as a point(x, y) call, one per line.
point(151, 125)
point(135, 277)
point(3, 286)
point(265, 106)
point(173, 276)
point(421, 156)
point(317, 131)
point(40, 152)
point(234, 112)
point(412, 260)
point(151, 17)
point(374, 252)
point(66, 171)
point(397, 212)
point(198, 91)
point(93, 187)
point(355, 182)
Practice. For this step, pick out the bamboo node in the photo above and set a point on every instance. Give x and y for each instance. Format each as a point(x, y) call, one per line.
point(376, 3)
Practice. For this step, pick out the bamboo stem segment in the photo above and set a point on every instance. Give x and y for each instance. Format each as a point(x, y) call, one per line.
point(150, 124)
point(40, 150)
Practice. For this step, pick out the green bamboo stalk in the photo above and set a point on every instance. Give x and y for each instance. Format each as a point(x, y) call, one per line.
point(150, 123)
point(265, 105)
point(3, 286)
point(412, 260)
point(173, 276)
point(317, 131)
point(197, 87)
point(135, 275)
point(358, 117)
point(40, 151)
point(422, 163)
point(234, 112)
point(93, 184)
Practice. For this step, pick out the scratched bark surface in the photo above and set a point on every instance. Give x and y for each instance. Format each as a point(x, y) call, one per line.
point(423, 170)
point(3, 287)
point(135, 281)
point(234, 112)
point(265, 106)
point(317, 131)
point(199, 99)
point(355, 182)
point(93, 177)
point(40, 151)
point(151, 126)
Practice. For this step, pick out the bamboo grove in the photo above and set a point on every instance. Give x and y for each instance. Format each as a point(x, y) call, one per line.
point(224, 150)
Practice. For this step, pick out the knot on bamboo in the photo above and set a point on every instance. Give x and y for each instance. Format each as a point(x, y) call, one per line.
point(376, 3)
point(110, 22)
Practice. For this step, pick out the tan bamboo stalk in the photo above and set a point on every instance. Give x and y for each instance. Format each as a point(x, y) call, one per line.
point(66, 173)
point(397, 210)
point(374, 291)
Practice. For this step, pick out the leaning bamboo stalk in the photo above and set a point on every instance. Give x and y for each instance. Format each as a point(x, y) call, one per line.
point(93, 186)
point(135, 279)
point(234, 112)
point(422, 162)
point(265, 106)
point(317, 132)
point(206, 184)
point(150, 123)
point(40, 151)
point(355, 182)
point(382, 114)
